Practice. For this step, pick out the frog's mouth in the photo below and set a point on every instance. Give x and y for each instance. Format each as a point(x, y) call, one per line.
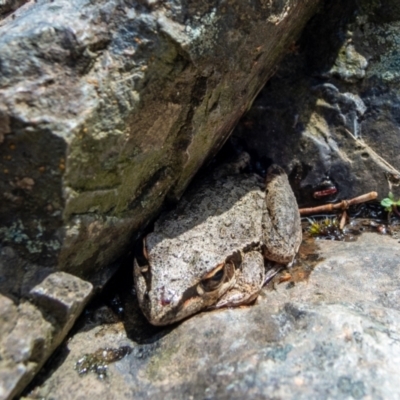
point(162, 306)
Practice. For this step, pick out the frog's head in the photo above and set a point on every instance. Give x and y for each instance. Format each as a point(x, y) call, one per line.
point(171, 291)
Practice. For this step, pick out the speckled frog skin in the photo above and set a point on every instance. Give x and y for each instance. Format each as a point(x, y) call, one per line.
point(210, 252)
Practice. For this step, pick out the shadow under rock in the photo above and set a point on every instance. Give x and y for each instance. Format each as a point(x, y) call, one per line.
point(118, 302)
point(272, 129)
point(49, 368)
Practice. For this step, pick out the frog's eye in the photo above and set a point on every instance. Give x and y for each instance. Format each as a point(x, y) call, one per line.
point(218, 276)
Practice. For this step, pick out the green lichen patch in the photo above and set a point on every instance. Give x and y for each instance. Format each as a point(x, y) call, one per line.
point(349, 64)
point(384, 41)
point(33, 239)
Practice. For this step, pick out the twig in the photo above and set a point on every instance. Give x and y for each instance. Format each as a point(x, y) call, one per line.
point(343, 205)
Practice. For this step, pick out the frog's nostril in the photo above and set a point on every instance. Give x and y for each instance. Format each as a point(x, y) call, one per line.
point(167, 297)
point(165, 301)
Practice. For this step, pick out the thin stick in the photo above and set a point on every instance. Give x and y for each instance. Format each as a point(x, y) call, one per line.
point(343, 205)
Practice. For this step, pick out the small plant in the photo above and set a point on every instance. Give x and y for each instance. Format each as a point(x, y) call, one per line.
point(327, 228)
point(390, 204)
point(323, 226)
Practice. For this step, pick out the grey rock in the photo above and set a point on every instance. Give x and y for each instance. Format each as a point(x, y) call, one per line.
point(350, 65)
point(332, 336)
point(11, 376)
point(29, 339)
point(7, 6)
point(387, 11)
point(30, 331)
point(330, 113)
point(8, 315)
point(349, 107)
point(62, 296)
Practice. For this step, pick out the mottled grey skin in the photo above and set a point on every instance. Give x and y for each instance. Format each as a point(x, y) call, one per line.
point(208, 252)
point(281, 218)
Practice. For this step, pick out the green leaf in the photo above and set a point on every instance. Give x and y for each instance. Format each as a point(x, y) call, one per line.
point(386, 202)
point(391, 196)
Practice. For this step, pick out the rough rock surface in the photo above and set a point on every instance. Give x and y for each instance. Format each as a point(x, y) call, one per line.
point(32, 326)
point(333, 336)
point(7, 6)
point(331, 112)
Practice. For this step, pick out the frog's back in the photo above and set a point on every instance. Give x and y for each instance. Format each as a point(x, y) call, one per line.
point(212, 221)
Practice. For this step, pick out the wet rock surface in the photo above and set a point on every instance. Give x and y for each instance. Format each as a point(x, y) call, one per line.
point(332, 335)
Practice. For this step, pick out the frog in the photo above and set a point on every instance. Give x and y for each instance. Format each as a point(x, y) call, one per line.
point(218, 247)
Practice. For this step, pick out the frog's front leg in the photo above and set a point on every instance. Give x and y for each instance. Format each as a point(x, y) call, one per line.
point(250, 279)
point(281, 222)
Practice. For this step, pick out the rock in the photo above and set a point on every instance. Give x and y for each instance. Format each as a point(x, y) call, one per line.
point(61, 295)
point(334, 335)
point(30, 331)
point(11, 375)
point(7, 6)
point(8, 316)
point(330, 113)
